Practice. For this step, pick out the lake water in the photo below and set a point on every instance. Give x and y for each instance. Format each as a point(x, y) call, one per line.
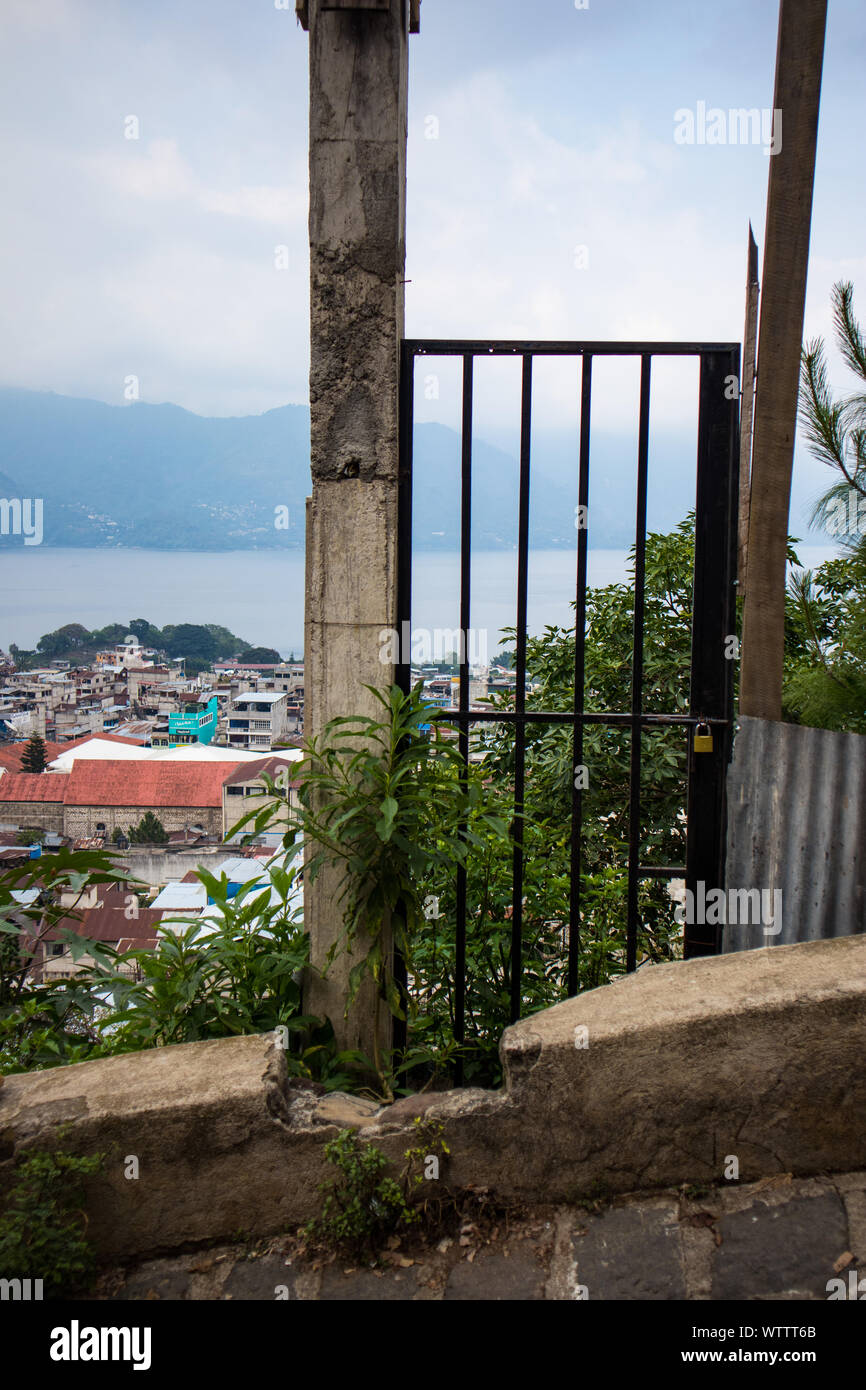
point(259, 594)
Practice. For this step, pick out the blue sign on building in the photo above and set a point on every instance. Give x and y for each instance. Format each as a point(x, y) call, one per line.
point(199, 727)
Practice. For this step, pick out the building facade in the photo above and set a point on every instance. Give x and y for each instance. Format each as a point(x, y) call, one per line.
point(195, 726)
point(257, 719)
point(246, 790)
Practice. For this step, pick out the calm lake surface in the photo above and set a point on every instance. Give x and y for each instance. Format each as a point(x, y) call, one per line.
point(259, 594)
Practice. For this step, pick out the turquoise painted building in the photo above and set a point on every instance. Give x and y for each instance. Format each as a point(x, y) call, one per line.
point(199, 727)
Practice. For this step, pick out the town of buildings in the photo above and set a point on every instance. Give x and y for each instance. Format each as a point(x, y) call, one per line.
point(131, 734)
point(129, 691)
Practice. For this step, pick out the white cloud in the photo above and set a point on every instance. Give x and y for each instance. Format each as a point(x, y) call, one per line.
point(159, 173)
point(31, 16)
point(494, 237)
point(266, 204)
point(164, 252)
point(156, 171)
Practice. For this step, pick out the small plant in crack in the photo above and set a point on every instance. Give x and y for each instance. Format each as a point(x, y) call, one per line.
point(364, 1206)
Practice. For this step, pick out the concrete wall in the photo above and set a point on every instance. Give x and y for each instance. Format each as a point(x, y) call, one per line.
point(81, 821)
point(256, 799)
point(658, 1080)
point(158, 867)
point(47, 815)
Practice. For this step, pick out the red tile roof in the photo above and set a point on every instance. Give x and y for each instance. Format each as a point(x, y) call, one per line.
point(145, 784)
point(109, 923)
point(234, 665)
point(248, 772)
point(33, 786)
point(121, 782)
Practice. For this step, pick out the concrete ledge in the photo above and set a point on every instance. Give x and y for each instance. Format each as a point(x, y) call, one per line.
point(205, 1121)
point(754, 1056)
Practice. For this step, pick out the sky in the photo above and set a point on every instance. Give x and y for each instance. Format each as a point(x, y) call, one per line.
point(547, 194)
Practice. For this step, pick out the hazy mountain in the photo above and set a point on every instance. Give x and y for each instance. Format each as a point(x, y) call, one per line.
point(159, 477)
point(156, 476)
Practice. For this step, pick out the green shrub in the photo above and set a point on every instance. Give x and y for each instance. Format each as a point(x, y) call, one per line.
point(364, 1206)
point(43, 1223)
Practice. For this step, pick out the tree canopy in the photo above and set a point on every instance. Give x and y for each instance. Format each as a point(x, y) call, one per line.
point(262, 654)
point(149, 831)
point(33, 757)
point(201, 642)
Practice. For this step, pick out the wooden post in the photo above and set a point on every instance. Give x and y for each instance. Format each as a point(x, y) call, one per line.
point(799, 60)
point(747, 407)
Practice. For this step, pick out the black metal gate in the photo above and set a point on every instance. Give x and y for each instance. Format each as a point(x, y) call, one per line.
point(714, 615)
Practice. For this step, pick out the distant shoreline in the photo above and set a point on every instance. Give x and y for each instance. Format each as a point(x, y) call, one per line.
point(260, 593)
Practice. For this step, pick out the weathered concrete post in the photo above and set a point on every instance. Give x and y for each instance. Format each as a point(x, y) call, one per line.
point(358, 114)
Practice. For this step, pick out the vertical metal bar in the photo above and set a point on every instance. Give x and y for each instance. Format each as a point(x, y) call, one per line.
point(579, 662)
point(463, 722)
point(403, 669)
point(634, 828)
point(520, 691)
point(714, 619)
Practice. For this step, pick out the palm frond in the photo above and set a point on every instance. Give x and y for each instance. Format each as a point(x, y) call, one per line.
point(821, 417)
point(848, 334)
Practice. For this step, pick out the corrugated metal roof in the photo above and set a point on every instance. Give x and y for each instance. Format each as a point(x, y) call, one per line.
point(12, 753)
point(106, 747)
point(240, 870)
point(797, 823)
point(251, 697)
point(180, 897)
point(25, 896)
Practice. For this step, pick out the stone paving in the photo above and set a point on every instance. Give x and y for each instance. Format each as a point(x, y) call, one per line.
point(780, 1238)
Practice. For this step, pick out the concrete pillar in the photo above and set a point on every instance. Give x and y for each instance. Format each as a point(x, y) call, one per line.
point(358, 106)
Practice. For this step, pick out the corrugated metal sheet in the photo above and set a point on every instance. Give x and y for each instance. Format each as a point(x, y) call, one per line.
point(180, 897)
point(796, 823)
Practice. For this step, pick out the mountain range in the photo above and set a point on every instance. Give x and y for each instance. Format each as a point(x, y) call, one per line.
point(159, 477)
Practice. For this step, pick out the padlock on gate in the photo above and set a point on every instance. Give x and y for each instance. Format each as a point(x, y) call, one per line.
point(703, 740)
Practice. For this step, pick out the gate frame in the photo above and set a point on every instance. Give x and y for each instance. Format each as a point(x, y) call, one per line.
point(713, 621)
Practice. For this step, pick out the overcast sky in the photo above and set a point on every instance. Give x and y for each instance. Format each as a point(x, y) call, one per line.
point(554, 126)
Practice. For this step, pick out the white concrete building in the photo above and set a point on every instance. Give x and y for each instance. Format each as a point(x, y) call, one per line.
point(257, 719)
